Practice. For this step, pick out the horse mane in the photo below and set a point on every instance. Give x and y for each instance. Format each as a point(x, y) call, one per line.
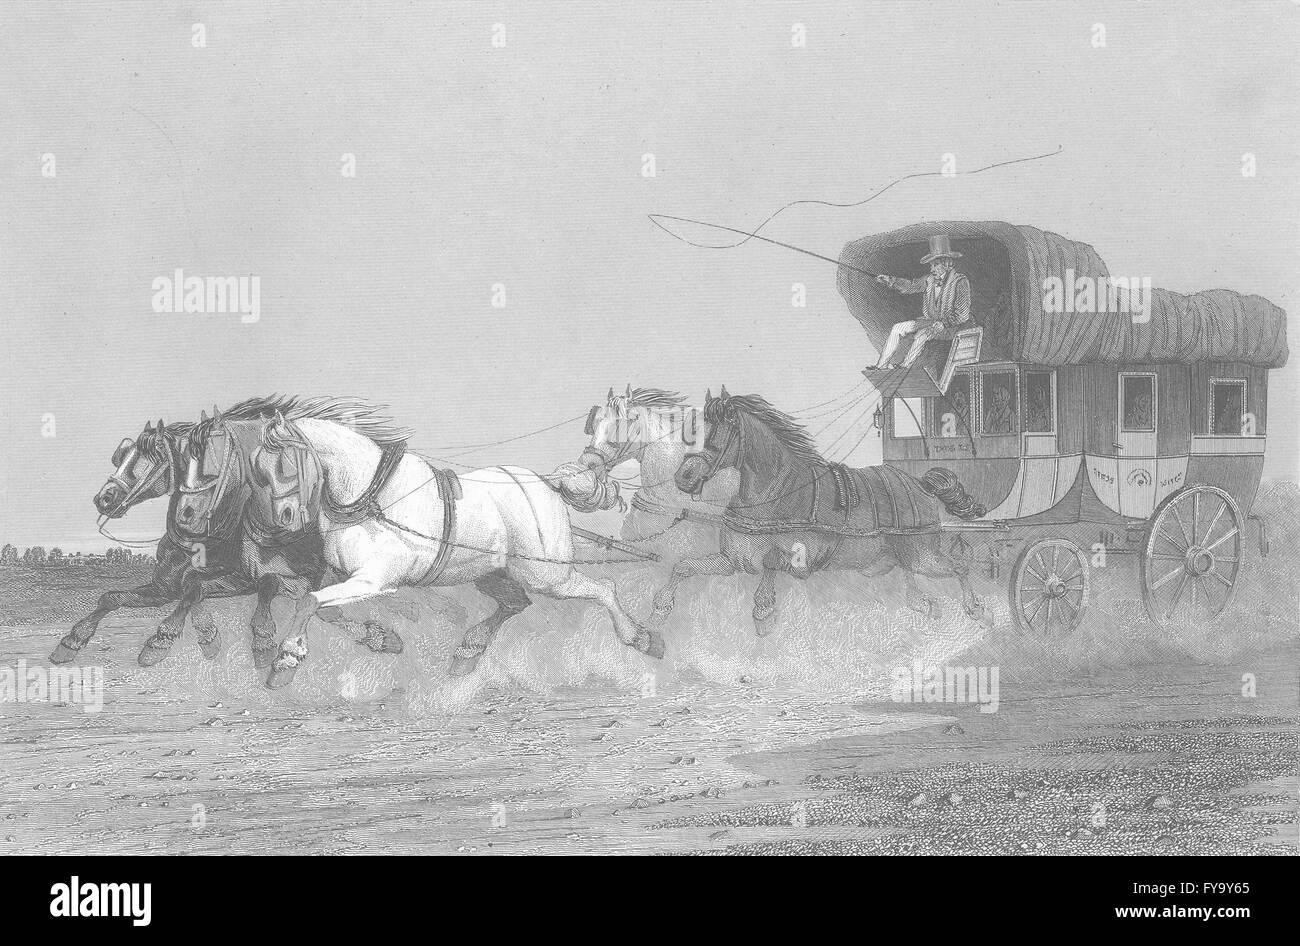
point(155, 444)
point(784, 427)
point(354, 413)
point(656, 399)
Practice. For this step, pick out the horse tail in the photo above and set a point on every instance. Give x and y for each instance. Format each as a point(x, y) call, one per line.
point(583, 489)
point(943, 485)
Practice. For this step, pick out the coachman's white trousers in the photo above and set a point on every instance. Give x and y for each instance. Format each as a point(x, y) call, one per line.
point(922, 329)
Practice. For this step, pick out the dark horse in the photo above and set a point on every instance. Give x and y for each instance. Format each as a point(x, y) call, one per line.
point(797, 513)
point(205, 552)
point(189, 566)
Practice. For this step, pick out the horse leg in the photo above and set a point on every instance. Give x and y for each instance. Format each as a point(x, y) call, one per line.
point(511, 599)
point(764, 601)
point(918, 602)
point(152, 595)
point(924, 557)
point(294, 649)
point(774, 560)
point(574, 584)
point(205, 628)
point(159, 644)
point(378, 637)
point(666, 598)
point(205, 625)
point(262, 623)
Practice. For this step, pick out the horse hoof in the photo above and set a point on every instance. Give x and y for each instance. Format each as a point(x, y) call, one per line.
point(653, 645)
point(280, 677)
point(63, 654)
point(762, 613)
point(264, 658)
point(210, 648)
point(381, 640)
point(151, 654)
point(463, 666)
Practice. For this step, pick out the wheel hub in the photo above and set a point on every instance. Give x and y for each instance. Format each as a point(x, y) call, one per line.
point(1199, 561)
point(1056, 587)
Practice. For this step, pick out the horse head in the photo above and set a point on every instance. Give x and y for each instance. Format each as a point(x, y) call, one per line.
point(144, 468)
point(287, 479)
point(212, 488)
point(615, 431)
point(635, 420)
point(721, 447)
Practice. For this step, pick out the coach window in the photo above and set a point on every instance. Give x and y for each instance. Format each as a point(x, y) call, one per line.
point(951, 413)
point(1227, 407)
point(1137, 403)
point(999, 411)
point(1040, 402)
point(908, 412)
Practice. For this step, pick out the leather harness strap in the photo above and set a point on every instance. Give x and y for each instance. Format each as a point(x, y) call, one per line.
point(448, 484)
point(366, 505)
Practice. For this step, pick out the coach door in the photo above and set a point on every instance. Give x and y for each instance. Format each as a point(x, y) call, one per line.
point(1135, 444)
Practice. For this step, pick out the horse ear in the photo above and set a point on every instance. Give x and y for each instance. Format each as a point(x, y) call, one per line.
point(724, 395)
point(148, 426)
point(610, 395)
point(258, 474)
point(628, 393)
point(203, 417)
point(216, 414)
point(161, 425)
point(708, 395)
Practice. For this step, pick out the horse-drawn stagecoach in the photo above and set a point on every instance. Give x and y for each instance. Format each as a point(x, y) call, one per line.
point(1132, 422)
point(1106, 424)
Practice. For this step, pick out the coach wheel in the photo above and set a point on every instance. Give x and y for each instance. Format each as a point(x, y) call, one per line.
point(1191, 559)
point(1049, 588)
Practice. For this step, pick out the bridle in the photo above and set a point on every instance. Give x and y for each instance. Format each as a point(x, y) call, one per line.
point(217, 485)
point(623, 450)
point(272, 532)
point(729, 426)
point(142, 484)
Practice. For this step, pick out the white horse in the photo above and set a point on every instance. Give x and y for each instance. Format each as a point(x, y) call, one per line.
point(656, 429)
point(512, 536)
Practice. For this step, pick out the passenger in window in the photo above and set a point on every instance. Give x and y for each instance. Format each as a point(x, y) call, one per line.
point(1000, 418)
point(1138, 415)
point(1040, 420)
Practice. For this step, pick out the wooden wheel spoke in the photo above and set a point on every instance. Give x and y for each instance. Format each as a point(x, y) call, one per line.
point(1225, 538)
point(1215, 521)
point(1187, 542)
point(1215, 573)
point(1178, 593)
point(1170, 539)
point(1030, 617)
point(1161, 581)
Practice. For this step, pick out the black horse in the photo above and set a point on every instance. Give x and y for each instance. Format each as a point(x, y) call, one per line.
point(797, 513)
point(189, 566)
point(205, 552)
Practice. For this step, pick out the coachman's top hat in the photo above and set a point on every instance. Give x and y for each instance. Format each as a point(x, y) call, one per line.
point(939, 249)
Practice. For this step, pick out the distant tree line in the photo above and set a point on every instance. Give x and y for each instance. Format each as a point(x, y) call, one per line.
point(37, 556)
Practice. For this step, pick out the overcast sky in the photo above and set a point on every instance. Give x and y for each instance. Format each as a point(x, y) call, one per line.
point(521, 165)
